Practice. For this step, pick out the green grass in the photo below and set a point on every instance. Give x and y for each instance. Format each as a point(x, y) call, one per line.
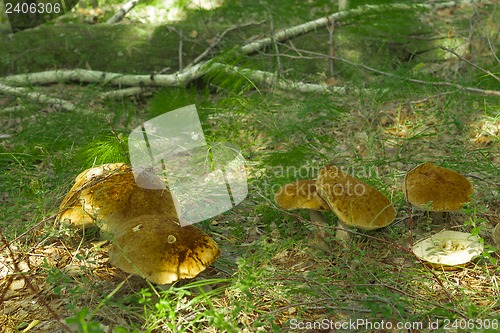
point(269, 277)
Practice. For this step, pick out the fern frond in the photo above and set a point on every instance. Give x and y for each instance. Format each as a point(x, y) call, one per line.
point(106, 150)
point(227, 72)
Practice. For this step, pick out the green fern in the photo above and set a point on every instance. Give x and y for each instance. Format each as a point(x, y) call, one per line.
point(110, 149)
point(227, 72)
point(170, 99)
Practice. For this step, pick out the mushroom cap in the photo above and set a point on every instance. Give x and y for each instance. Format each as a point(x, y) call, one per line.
point(109, 193)
point(448, 248)
point(299, 195)
point(160, 250)
point(437, 189)
point(75, 208)
point(354, 202)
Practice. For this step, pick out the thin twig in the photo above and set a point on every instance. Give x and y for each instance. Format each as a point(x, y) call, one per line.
point(181, 38)
point(493, 53)
point(408, 210)
point(470, 63)
point(482, 179)
point(27, 281)
point(436, 83)
point(331, 28)
point(279, 69)
point(218, 40)
point(36, 225)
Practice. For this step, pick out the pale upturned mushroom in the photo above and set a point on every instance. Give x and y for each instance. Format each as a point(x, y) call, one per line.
point(436, 189)
point(302, 195)
point(355, 203)
point(108, 192)
point(159, 249)
point(448, 249)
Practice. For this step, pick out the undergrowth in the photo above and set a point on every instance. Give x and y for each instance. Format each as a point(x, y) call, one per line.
point(269, 277)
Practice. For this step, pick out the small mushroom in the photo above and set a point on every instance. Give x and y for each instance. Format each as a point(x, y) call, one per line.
point(448, 249)
point(302, 195)
point(355, 203)
point(160, 250)
point(437, 189)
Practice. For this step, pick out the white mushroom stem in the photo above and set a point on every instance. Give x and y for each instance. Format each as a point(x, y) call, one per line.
point(439, 217)
point(343, 233)
point(318, 220)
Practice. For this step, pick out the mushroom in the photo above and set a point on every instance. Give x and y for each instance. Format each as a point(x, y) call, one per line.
point(75, 208)
point(142, 224)
point(110, 192)
point(436, 189)
point(448, 249)
point(159, 249)
point(302, 195)
point(355, 203)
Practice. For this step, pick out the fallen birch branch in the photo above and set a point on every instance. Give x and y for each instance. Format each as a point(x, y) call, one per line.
point(120, 14)
point(89, 76)
point(310, 26)
point(36, 97)
point(269, 79)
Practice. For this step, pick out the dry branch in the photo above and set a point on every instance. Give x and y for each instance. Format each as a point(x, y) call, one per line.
point(219, 38)
point(35, 96)
point(432, 83)
point(106, 78)
point(310, 26)
point(120, 14)
point(269, 79)
point(470, 63)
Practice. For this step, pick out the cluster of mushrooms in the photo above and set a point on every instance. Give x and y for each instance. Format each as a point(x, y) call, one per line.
point(356, 204)
point(147, 239)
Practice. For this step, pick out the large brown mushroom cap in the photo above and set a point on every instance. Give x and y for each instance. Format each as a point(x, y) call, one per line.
point(437, 189)
point(300, 195)
point(160, 250)
point(354, 202)
point(109, 193)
